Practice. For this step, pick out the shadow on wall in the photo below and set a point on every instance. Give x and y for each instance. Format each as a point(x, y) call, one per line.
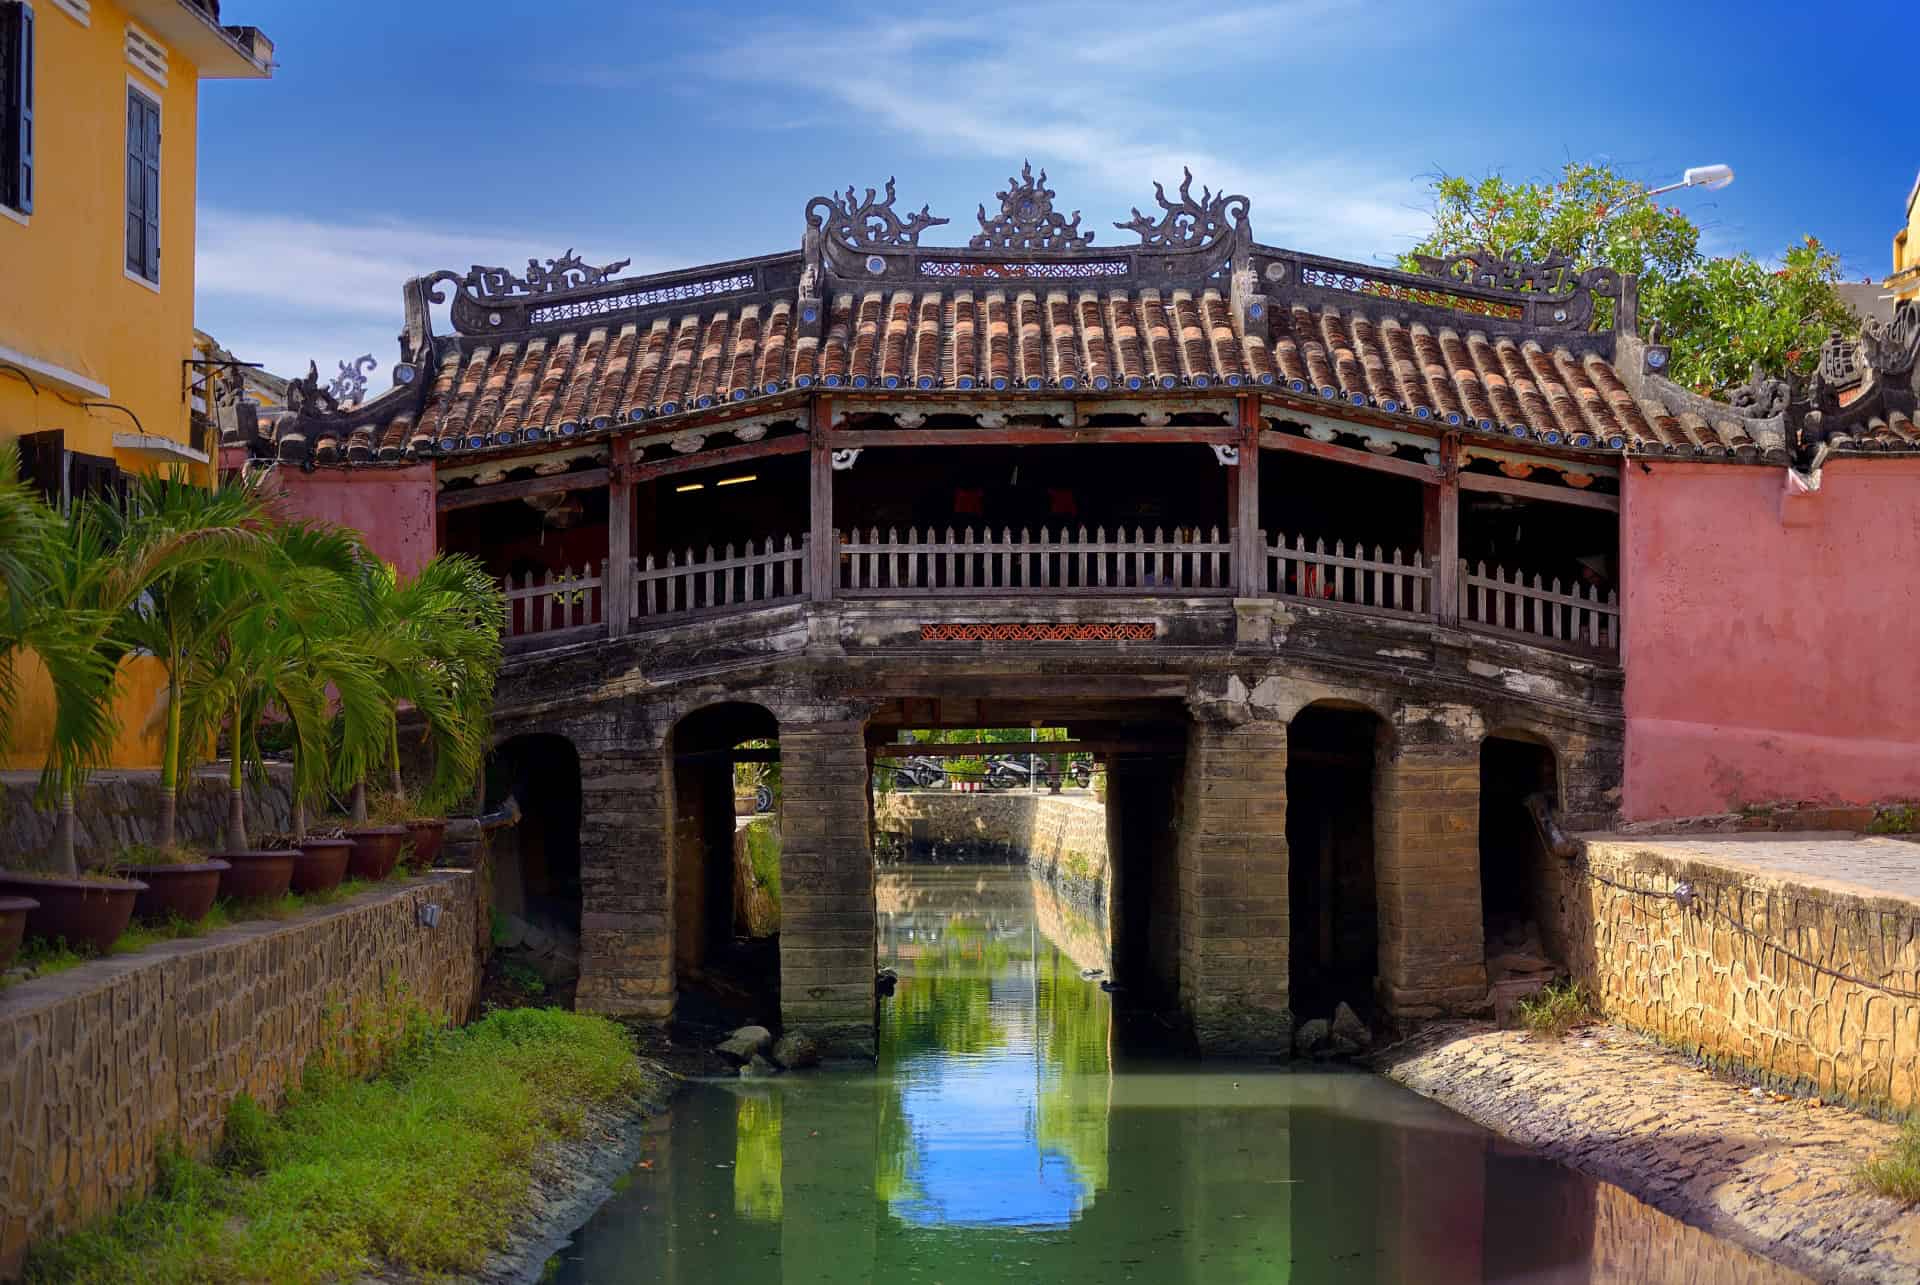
point(537, 862)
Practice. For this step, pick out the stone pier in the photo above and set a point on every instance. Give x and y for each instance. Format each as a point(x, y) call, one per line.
point(826, 876)
point(1232, 878)
point(626, 937)
point(1427, 863)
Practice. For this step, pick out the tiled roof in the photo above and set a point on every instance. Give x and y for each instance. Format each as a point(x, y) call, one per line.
point(993, 340)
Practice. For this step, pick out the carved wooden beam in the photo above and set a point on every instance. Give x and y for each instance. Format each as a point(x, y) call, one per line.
point(1034, 435)
point(1498, 485)
point(474, 496)
point(1276, 441)
point(668, 466)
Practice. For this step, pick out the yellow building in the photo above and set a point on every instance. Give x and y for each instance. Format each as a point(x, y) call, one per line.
point(1905, 280)
point(99, 116)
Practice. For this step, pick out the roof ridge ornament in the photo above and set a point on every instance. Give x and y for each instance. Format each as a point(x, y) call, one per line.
point(1190, 224)
point(567, 272)
point(1027, 219)
point(1554, 274)
point(865, 224)
point(349, 387)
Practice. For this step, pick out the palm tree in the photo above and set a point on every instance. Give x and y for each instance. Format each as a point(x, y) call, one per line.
point(186, 611)
point(23, 523)
point(435, 640)
point(286, 653)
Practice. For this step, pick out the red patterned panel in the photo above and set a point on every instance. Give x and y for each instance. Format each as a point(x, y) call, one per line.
point(1112, 631)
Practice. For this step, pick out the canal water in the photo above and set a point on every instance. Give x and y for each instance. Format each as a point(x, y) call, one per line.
point(1005, 1136)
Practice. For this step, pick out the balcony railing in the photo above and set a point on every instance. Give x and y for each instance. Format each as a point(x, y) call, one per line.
point(555, 608)
point(947, 564)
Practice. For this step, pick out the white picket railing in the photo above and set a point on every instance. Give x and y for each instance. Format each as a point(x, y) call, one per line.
point(556, 605)
point(963, 564)
point(695, 584)
point(1503, 602)
point(1384, 582)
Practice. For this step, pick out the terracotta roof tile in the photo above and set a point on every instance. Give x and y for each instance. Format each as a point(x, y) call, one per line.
point(571, 405)
point(929, 358)
point(604, 403)
point(531, 376)
point(1030, 353)
point(1162, 364)
point(1129, 350)
point(1096, 348)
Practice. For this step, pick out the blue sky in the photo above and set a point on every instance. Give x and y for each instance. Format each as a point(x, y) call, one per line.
point(399, 138)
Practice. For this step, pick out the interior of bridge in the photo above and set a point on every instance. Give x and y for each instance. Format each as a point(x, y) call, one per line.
point(1334, 948)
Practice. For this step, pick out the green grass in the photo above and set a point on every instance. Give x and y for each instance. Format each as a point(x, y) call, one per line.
point(523, 978)
point(423, 1167)
point(1557, 1009)
point(763, 856)
point(1897, 1174)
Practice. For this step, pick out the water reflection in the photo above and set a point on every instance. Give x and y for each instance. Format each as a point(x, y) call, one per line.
point(1003, 1136)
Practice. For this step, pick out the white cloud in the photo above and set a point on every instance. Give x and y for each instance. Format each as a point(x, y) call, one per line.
point(1117, 108)
point(282, 290)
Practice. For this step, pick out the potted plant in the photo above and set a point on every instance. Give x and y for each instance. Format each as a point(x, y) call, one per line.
point(320, 861)
point(61, 581)
point(437, 650)
point(179, 883)
point(13, 927)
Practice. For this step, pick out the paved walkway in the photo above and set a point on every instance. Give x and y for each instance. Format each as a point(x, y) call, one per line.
point(1869, 864)
point(1771, 1173)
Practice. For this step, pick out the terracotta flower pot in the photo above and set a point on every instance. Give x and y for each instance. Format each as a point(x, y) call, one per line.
point(84, 913)
point(376, 849)
point(426, 837)
point(320, 864)
point(254, 876)
point(184, 890)
point(13, 927)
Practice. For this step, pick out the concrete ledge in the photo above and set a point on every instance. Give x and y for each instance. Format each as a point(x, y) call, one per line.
point(100, 1063)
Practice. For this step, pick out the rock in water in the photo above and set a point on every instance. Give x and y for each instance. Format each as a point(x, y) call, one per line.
point(758, 1068)
point(1310, 1036)
point(745, 1043)
point(1349, 1029)
point(794, 1051)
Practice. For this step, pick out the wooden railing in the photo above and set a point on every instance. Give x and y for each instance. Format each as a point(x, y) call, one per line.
point(1502, 602)
point(693, 584)
point(1401, 586)
point(1069, 562)
point(556, 606)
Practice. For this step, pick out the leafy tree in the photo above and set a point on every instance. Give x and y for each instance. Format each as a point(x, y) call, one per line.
point(186, 612)
point(1721, 316)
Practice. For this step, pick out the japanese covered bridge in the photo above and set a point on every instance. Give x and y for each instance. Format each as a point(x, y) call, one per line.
point(1322, 559)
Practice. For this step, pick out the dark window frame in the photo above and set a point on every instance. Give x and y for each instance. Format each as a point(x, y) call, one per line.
point(143, 185)
point(16, 105)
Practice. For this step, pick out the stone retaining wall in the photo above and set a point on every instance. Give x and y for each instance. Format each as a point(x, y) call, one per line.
point(99, 1064)
point(124, 807)
point(1062, 836)
point(1719, 977)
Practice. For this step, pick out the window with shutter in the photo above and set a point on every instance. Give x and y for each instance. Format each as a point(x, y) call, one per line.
point(42, 464)
point(143, 185)
point(16, 106)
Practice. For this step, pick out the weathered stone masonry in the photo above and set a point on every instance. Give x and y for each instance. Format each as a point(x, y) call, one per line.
point(98, 1064)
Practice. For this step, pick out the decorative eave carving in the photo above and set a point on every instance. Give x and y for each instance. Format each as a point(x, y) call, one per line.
point(349, 387)
point(1027, 219)
point(1189, 224)
point(869, 223)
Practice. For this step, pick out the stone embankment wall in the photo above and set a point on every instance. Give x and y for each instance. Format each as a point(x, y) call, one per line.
point(124, 807)
point(1062, 837)
point(1808, 982)
point(99, 1064)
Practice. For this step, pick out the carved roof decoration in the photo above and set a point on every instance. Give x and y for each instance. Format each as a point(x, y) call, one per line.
point(1189, 223)
point(866, 224)
point(1031, 309)
point(1027, 219)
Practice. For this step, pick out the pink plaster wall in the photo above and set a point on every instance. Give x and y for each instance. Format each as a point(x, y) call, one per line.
point(1770, 639)
point(392, 507)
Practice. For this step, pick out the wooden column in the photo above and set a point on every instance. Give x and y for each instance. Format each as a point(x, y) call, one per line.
point(823, 566)
point(1446, 533)
point(1249, 552)
point(616, 594)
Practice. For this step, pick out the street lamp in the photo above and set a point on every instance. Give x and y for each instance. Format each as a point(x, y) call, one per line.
point(1710, 177)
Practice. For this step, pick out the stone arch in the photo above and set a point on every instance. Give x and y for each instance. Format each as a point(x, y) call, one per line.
point(1334, 746)
point(716, 905)
point(1520, 880)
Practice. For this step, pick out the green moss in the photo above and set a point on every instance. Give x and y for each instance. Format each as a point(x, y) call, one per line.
point(421, 1168)
point(1897, 1174)
point(1557, 1009)
point(1904, 819)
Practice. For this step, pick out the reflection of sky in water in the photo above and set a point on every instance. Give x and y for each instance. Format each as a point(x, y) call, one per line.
point(976, 1158)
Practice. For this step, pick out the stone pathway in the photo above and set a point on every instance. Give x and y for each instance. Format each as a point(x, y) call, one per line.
point(1771, 1173)
point(1869, 864)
